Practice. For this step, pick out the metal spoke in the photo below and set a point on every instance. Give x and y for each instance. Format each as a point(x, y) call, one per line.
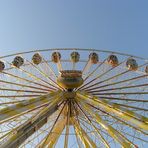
point(67, 129)
point(37, 78)
point(119, 82)
point(128, 106)
point(86, 67)
point(114, 133)
point(23, 107)
point(28, 86)
point(30, 126)
point(115, 76)
point(102, 138)
point(84, 86)
point(120, 88)
point(27, 80)
point(87, 142)
point(18, 96)
point(94, 70)
point(47, 141)
point(20, 90)
point(54, 84)
point(52, 138)
point(123, 99)
point(50, 68)
point(118, 119)
point(137, 119)
point(30, 74)
point(121, 93)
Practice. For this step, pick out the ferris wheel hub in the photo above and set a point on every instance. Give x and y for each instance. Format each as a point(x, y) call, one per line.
point(70, 79)
point(70, 95)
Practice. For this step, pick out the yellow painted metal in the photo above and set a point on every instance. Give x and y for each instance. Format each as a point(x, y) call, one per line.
point(69, 83)
point(85, 86)
point(115, 76)
point(50, 68)
point(113, 133)
point(77, 138)
point(19, 108)
point(106, 144)
point(117, 82)
point(28, 73)
point(22, 90)
point(52, 82)
point(54, 101)
point(22, 85)
point(67, 128)
point(86, 140)
point(59, 65)
point(70, 79)
point(91, 73)
point(87, 66)
point(136, 119)
point(37, 78)
point(26, 80)
point(32, 125)
point(66, 136)
point(123, 122)
point(97, 131)
point(53, 136)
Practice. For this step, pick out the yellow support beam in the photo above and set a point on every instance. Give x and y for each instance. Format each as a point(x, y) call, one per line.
point(51, 139)
point(113, 132)
point(67, 128)
point(96, 129)
point(52, 82)
point(86, 140)
point(25, 106)
point(127, 115)
point(24, 131)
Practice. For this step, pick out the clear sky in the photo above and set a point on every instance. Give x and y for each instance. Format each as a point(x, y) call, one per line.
point(102, 24)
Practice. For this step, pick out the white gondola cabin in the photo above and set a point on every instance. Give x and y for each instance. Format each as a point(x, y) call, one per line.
point(146, 69)
point(75, 56)
point(93, 57)
point(55, 57)
point(37, 58)
point(113, 60)
point(18, 61)
point(2, 66)
point(132, 64)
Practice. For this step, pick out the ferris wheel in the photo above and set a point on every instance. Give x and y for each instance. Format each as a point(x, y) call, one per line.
point(73, 98)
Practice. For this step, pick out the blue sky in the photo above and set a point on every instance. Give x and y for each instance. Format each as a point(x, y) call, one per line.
point(102, 24)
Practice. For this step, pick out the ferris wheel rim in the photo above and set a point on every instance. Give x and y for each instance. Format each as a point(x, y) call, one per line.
point(79, 49)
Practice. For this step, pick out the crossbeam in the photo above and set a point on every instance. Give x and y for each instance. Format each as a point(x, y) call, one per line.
point(134, 118)
point(86, 140)
point(21, 107)
point(31, 126)
point(52, 138)
point(113, 132)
